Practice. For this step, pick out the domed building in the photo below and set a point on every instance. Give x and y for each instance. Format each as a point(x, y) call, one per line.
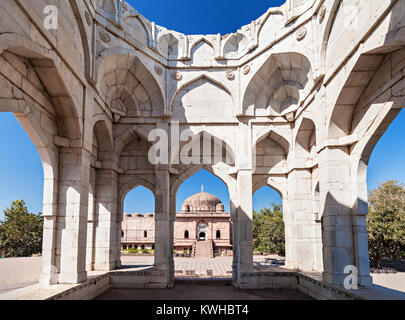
point(202, 228)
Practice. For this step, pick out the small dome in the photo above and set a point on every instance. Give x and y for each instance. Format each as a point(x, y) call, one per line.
point(203, 202)
point(220, 207)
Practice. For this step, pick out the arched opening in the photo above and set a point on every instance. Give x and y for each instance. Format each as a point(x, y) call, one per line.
point(22, 164)
point(203, 206)
point(268, 227)
point(22, 178)
point(202, 231)
point(279, 86)
point(361, 115)
point(386, 189)
point(138, 226)
point(134, 92)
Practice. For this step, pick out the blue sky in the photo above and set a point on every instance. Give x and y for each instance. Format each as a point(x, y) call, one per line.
point(203, 16)
point(21, 175)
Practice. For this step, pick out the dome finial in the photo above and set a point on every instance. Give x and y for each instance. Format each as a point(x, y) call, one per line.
point(202, 188)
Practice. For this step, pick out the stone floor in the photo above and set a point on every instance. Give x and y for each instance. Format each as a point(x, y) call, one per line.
point(221, 266)
point(21, 272)
point(186, 291)
point(17, 273)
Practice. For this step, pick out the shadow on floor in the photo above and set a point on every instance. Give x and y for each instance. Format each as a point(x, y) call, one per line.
point(396, 293)
point(195, 291)
point(398, 265)
point(135, 266)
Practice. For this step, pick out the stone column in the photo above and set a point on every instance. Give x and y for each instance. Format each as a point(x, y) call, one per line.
point(49, 272)
point(164, 223)
point(72, 213)
point(91, 222)
point(244, 229)
point(301, 237)
point(235, 257)
point(360, 212)
point(243, 224)
point(107, 241)
point(341, 229)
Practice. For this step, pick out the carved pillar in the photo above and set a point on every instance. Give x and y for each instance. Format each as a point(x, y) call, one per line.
point(49, 272)
point(360, 212)
point(107, 232)
point(340, 227)
point(91, 222)
point(74, 175)
point(301, 235)
point(164, 223)
point(244, 222)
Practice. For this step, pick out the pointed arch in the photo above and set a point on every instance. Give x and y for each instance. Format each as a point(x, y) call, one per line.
point(49, 70)
point(234, 45)
point(201, 45)
point(200, 134)
point(269, 13)
point(196, 79)
point(197, 42)
point(134, 182)
point(271, 23)
point(352, 103)
point(102, 141)
point(168, 45)
point(86, 40)
point(139, 25)
point(279, 86)
point(270, 154)
point(108, 9)
point(191, 170)
point(330, 19)
point(305, 138)
point(187, 103)
point(123, 79)
point(135, 131)
point(272, 183)
point(274, 135)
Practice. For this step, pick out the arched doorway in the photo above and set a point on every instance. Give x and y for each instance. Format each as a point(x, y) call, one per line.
point(138, 226)
point(19, 164)
point(203, 205)
point(202, 231)
point(268, 227)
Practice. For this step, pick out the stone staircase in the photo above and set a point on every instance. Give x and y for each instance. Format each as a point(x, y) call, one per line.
point(203, 249)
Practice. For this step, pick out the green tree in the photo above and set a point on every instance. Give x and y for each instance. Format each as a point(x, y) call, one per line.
point(20, 231)
point(268, 230)
point(386, 222)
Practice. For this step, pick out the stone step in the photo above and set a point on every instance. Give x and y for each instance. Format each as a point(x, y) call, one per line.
point(204, 249)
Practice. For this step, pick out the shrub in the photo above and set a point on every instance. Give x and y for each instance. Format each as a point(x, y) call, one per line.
point(20, 231)
point(386, 222)
point(268, 230)
point(133, 251)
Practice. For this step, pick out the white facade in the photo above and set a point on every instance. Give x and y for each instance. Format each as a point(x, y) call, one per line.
point(297, 100)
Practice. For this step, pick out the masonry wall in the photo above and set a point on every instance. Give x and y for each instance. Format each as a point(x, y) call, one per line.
point(296, 100)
